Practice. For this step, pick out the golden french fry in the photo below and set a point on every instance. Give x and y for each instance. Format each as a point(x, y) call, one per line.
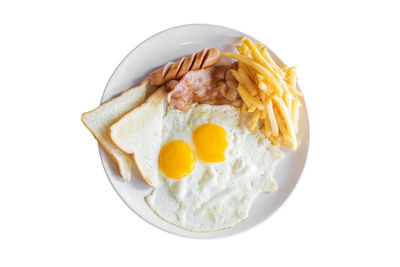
point(292, 76)
point(243, 108)
point(267, 127)
point(262, 86)
point(251, 109)
point(239, 49)
point(288, 120)
point(291, 72)
point(285, 141)
point(262, 82)
point(264, 114)
point(244, 94)
point(264, 52)
point(260, 78)
point(288, 99)
point(272, 119)
point(243, 79)
point(255, 53)
point(250, 62)
point(254, 120)
point(273, 67)
point(245, 50)
point(296, 113)
point(263, 96)
point(265, 60)
point(279, 91)
point(268, 58)
point(281, 126)
point(275, 141)
point(249, 72)
point(294, 91)
point(247, 103)
point(270, 77)
point(247, 82)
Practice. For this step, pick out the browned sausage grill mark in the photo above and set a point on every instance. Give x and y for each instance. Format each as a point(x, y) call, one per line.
point(175, 70)
point(204, 58)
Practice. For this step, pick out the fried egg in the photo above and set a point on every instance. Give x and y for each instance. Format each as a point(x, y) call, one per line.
point(211, 168)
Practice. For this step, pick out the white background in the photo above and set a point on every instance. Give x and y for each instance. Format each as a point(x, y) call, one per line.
point(57, 207)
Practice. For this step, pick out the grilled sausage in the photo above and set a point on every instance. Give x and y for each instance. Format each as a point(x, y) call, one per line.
point(175, 70)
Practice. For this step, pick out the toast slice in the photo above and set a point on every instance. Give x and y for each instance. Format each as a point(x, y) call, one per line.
point(139, 133)
point(101, 118)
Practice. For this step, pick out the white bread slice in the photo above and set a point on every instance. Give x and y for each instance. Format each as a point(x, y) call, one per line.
point(139, 133)
point(101, 118)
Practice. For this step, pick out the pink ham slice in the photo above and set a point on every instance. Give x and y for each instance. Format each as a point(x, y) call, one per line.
point(213, 85)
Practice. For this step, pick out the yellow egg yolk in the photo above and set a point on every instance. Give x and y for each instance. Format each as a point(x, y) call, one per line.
point(211, 142)
point(176, 159)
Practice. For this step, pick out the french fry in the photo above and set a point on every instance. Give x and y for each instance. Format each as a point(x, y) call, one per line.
point(255, 53)
point(279, 73)
point(247, 104)
point(291, 72)
point(272, 119)
point(247, 82)
point(244, 94)
point(269, 89)
point(294, 91)
point(243, 108)
point(275, 141)
point(258, 67)
point(264, 114)
point(264, 52)
point(251, 109)
point(292, 76)
point(254, 120)
point(281, 126)
point(285, 141)
point(250, 72)
point(296, 113)
point(245, 50)
point(288, 120)
point(261, 56)
point(267, 127)
point(263, 96)
point(288, 99)
point(265, 88)
point(262, 86)
point(260, 78)
point(243, 79)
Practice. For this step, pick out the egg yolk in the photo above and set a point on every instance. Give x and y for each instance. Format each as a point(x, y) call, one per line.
point(211, 142)
point(176, 159)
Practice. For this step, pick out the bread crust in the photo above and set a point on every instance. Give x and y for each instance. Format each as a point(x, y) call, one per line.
point(155, 100)
point(145, 178)
point(100, 141)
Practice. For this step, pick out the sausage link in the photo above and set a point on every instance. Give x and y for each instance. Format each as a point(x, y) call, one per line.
point(175, 70)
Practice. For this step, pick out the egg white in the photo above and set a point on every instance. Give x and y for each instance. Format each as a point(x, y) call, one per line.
point(215, 195)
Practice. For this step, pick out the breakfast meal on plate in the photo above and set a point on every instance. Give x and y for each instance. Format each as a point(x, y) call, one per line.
point(208, 139)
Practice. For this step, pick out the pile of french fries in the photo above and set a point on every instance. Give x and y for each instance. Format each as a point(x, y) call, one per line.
point(269, 92)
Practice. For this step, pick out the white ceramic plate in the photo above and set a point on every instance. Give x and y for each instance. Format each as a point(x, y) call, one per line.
point(167, 46)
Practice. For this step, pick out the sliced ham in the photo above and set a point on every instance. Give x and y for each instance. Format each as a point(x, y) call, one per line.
point(215, 85)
